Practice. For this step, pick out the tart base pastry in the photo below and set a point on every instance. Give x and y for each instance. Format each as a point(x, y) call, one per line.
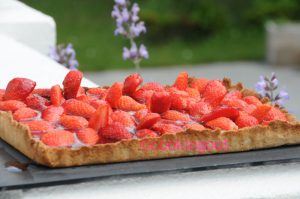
point(276, 133)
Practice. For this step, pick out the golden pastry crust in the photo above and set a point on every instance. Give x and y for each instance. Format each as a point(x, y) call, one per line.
point(277, 133)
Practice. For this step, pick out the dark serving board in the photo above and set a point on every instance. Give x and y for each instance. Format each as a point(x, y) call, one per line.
point(36, 175)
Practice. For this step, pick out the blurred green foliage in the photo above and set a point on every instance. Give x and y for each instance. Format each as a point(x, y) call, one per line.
point(179, 32)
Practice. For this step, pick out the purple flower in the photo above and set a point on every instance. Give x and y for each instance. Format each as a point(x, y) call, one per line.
point(267, 87)
point(121, 2)
point(143, 52)
point(137, 29)
point(64, 55)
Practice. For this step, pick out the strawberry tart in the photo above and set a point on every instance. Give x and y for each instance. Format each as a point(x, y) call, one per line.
point(73, 125)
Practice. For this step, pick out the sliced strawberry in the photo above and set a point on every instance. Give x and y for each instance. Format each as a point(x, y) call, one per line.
point(234, 102)
point(142, 95)
point(274, 114)
point(200, 108)
point(114, 94)
point(182, 81)
point(223, 123)
point(123, 118)
point(160, 102)
point(44, 92)
point(37, 102)
point(126, 103)
point(99, 92)
point(164, 128)
point(139, 115)
point(81, 91)
point(199, 84)
point(131, 83)
point(261, 111)
point(88, 136)
point(78, 108)
point(245, 120)
point(103, 140)
point(178, 103)
point(52, 113)
point(195, 127)
point(214, 92)
point(11, 105)
point(19, 89)
point(193, 93)
point(100, 118)
point(86, 98)
point(146, 133)
point(97, 103)
point(56, 95)
point(2, 92)
point(73, 122)
point(228, 112)
point(252, 100)
point(233, 95)
point(115, 131)
point(153, 86)
point(176, 116)
point(72, 83)
point(148, 121)
point(38, 125)
point(58, 138)
point(24, 114)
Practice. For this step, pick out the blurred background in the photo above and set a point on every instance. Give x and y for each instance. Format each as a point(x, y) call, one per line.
point(179, 32)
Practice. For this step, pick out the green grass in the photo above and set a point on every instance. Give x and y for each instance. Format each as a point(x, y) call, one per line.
point(88, 25)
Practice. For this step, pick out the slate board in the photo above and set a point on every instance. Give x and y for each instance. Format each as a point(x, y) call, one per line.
point(36, 175)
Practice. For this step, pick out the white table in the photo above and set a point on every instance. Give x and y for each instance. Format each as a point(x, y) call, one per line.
point(275, 181)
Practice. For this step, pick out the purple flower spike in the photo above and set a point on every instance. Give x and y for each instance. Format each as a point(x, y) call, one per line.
point(129, 26)
point(267, 87)
point(64, 55)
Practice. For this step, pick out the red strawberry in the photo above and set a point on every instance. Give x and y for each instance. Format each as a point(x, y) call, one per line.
point(114, 94)
point(140, 114)
point(195, 127)
point(19, 89)
point(81, 91)
point(153, 86)
point(214, 92)
point(44, 92)
point(86, 98)
point(58, 138)
point(245, 120)
point(199, 84)
point(2, 92)
point(97, 103)
point(274, 114)
point(11, 105)
point(228, 112)
point(261, 111)
point(234, 102)
point(164, 128)
point(249, 109)
point(148, 121)
point(78, 108)
point(175, 115)
point(24, 113)
point(100, 118)
point(72, 83)
point(193, 93)
point(160, 102)
point(73, 122)
point(233, 95)
point(178, 103)
point(222, 123)
point(142, 95)
point(200, 108)
point(88, 136)
point(146, 133)
point(252, 100)
point(126, 103)
point(99, 92)
point(182, 81)
point(123, 118)
point(56, 95)
point(115, 131)
point(38, 125)
point(52, 113)
point(37, 102)
point(131, 83)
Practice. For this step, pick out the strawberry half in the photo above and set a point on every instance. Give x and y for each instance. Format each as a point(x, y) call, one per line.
point(100, 118)
point(176, 116)
point(19, 89)
point(223, 123)
point(131, 83)
point(78, 108)
point(228, 112)
point(261, 111)
point(160, 102)
point(24, 113)
point(73, 122)
point(245, 120)
point(39, 126)
point(115, 131)
point(11, 105)
point(56, 95)
point(123, 118)
point(148, 121)
point(214, 92)
point(126, 103)
point(52, 113)
point(37, 102)
point(72, 83)
point(88, 136)
point(146, 133)
point(114, 94)
point(44, 92)
point(199, 84)
point(195, 127)
point(182, 81)
point(58, 138)
point(164, 128)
